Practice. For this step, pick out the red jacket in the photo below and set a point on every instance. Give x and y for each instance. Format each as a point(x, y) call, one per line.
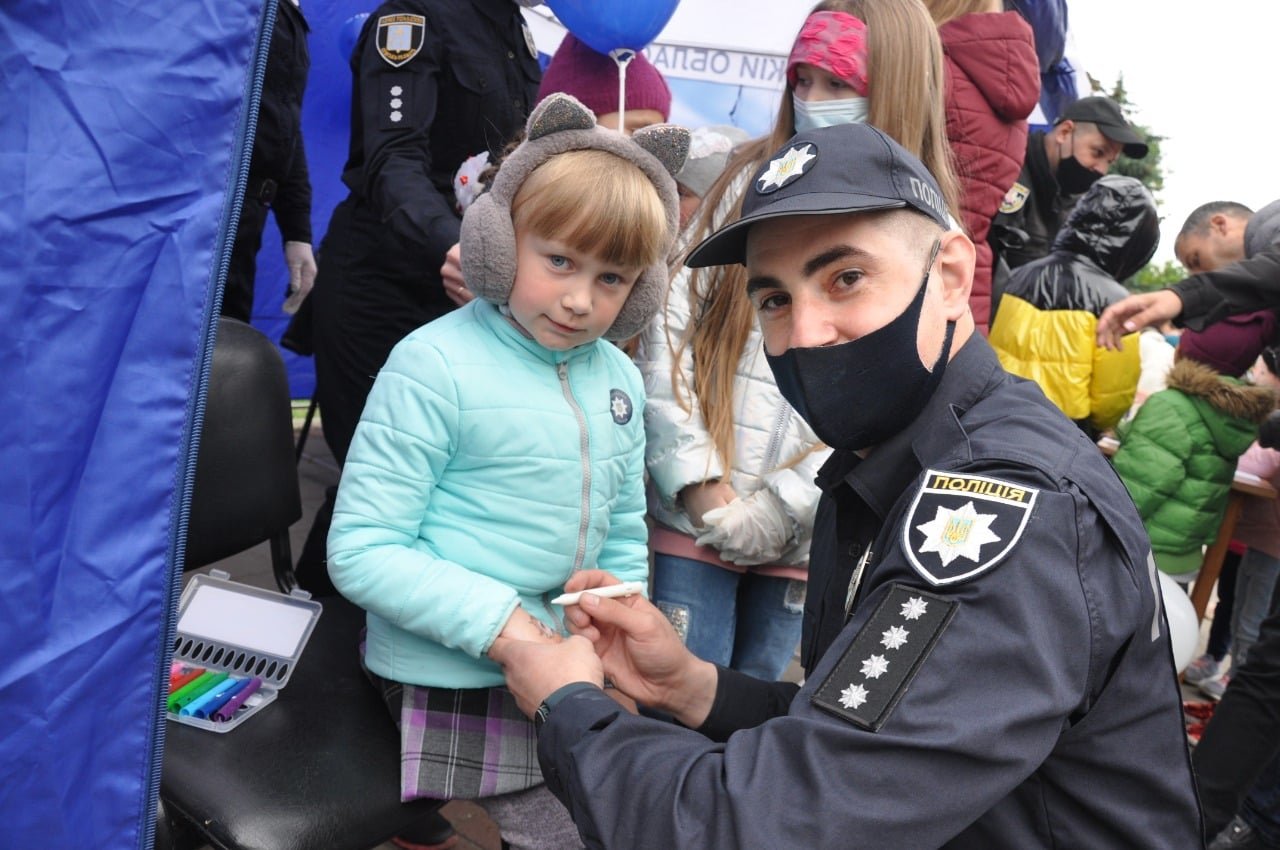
point(993, 83)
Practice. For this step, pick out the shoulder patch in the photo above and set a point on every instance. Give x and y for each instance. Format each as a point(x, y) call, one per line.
point(875, 671)
point(955, 517)
point(1014, 198)
point(400, 37)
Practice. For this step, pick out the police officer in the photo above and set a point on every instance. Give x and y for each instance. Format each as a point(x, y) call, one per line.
point(987, 658)
point(278, 177)
point(435, 82)
point(1060, 166)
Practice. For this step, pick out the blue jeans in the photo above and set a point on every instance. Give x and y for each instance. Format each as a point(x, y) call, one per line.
point(745, 621)
point(1255, 581)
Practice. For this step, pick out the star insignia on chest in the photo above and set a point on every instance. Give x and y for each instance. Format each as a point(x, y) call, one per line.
point(620, 407)
point(868, 682)
point(894, 637)
point(960, 525)
point(853, 696)
point(786, 168)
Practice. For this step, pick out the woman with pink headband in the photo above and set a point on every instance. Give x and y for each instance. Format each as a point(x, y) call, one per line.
point(731, 465)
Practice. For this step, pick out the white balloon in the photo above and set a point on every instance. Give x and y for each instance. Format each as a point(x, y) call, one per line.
point(1184, 625)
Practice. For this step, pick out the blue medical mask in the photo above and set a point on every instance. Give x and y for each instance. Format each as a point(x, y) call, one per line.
point(829, 113)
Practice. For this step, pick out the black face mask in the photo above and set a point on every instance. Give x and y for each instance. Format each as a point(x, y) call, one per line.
point(857, 394)
point(1073, 178)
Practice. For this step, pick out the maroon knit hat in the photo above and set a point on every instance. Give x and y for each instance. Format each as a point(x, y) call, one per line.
point(593, 79)
point(1232, 345)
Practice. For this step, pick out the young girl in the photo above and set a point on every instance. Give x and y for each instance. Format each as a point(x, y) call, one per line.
point(502, 449)
point(992, 84)
point(731, 465)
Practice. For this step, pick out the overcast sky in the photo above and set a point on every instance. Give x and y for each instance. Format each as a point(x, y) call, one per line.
point(1201, 74)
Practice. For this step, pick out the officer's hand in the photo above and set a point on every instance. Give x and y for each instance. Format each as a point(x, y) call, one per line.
point(451, 275)
point(302, 274)
point(535, 671)
point(641, 652)
point(1135, 313)
point(1269, 431)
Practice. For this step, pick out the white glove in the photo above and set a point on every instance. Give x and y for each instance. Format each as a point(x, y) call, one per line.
point(302, 274)
point(750, 531)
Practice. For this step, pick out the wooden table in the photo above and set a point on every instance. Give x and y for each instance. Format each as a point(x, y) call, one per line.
point(1243, 486)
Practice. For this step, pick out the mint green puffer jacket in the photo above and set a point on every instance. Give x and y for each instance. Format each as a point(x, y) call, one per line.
point(485, 470)
point(1178, 455)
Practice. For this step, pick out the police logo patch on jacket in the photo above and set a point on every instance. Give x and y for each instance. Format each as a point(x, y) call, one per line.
point(400, 37)
point(1014, 198)
point(959, 525)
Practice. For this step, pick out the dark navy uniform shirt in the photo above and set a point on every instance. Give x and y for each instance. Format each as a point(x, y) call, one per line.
point(434, 83)
point(999, 677)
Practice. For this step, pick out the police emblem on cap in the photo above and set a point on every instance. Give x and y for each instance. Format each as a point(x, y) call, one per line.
point(400, 37)
point(620, 406)
point(959, 526)
point(787, 168)
point(1014, 198)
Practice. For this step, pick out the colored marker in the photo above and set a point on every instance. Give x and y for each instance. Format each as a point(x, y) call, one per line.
point(229, 709)
point(191, 691)
point(183, 676)
point(219, 693)
point(627, 588)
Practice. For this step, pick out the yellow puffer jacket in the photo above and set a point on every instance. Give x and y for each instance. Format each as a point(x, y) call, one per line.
point(1046, 322)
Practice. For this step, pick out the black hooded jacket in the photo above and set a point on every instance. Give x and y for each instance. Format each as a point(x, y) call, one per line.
point(1044, 325)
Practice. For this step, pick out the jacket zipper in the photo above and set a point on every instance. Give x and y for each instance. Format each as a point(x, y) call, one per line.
point(195, 419)
point(584, 445)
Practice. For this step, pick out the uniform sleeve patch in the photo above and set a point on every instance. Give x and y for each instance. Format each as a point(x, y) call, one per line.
point(400, 37)
point(960, 526)
point(1014, 198)
point(875, 671)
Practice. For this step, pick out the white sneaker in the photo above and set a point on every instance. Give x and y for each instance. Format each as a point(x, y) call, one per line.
point(1201, 670)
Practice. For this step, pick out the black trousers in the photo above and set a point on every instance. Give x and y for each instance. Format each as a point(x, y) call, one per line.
point(237, 297)
point(1244, 735)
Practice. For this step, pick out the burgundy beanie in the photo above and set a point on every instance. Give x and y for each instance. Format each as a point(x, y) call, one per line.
point(1232, 345)
point(593, 79)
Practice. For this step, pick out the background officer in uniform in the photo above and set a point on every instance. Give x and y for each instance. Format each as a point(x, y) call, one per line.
point(1060, 166)
point(434, 82)
point(278, 177)
point(986, 654)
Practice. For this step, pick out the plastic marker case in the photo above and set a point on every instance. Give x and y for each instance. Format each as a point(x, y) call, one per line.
point(243, 631)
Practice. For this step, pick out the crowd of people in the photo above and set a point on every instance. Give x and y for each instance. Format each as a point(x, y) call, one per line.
point(561, 345)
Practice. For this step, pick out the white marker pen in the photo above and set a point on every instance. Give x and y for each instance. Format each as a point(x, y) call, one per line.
point(627, 588)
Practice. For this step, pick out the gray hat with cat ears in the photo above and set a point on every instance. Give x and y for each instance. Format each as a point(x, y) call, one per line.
point(559, 124)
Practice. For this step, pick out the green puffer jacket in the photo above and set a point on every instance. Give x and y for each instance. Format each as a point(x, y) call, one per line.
point(1178, 455)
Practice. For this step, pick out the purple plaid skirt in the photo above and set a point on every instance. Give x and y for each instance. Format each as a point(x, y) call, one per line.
point(461, 744)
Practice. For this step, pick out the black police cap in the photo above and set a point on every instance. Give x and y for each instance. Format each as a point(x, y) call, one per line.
point(831, 170)
point(1106, 113)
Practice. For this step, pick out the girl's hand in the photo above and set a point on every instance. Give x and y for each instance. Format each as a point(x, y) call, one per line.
point(522, 625)
point(707, 496)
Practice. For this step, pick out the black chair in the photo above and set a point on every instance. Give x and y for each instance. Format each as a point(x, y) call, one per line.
point(319, 768)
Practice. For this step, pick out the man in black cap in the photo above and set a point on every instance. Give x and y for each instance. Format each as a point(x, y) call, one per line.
point(1060, 166)
point(987, 661)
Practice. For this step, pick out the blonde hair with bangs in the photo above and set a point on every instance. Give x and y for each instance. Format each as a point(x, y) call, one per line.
point(906, 94)
point(594, 202)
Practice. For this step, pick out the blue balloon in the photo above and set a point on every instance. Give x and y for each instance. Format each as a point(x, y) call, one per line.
point(349, 33)
point(606, 26)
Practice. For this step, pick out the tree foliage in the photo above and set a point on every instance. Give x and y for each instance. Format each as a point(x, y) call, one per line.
point(1152, 277)
point(1150, 169)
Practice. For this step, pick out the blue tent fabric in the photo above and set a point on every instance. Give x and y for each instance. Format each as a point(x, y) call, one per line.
point(119, 156)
